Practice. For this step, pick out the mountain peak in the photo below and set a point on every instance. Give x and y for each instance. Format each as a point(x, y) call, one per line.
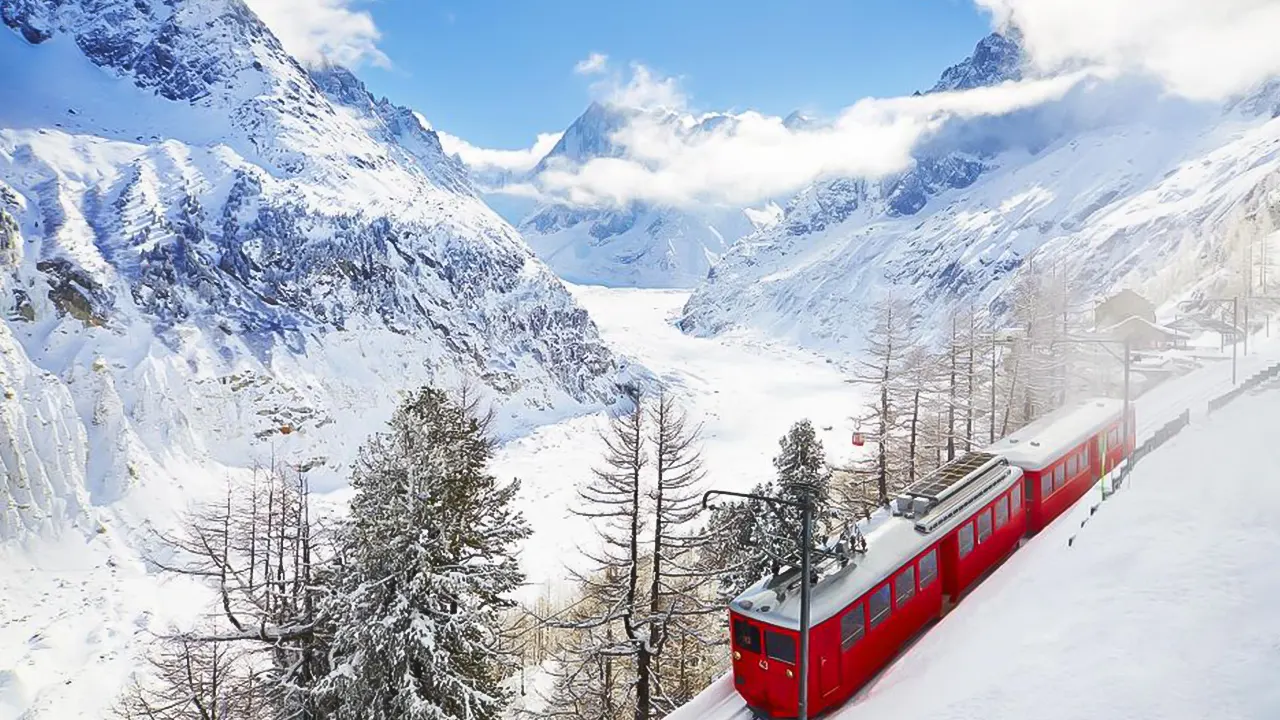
point(997, 58)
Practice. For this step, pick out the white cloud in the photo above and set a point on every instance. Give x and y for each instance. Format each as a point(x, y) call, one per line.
point(487, 159)
point(592, 64)
point(1200, 49)
point(757, 157)
point(323, 30)
point(643, 88)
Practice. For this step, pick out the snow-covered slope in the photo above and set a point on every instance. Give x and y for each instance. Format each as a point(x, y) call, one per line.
point(210, 256)
point(1117, 182)
point(636, 245)
point(1159, 608)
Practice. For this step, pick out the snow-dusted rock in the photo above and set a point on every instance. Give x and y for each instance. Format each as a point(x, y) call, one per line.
point(210, 255)
point(1115, 184)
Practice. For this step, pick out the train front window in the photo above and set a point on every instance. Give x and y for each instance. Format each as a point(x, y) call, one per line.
point(746, 636)
point(780, 647)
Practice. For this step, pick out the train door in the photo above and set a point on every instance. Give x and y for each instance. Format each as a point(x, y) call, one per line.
point(829, 673)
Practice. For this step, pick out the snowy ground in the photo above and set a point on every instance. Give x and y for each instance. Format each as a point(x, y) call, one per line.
point(745, 389)
point(1163, 607)
point(75, 612)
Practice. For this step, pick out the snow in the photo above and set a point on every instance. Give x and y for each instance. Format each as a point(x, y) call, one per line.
point(1115, 185)
point(1052, 436)
point(745, 389)
point(1159, 607)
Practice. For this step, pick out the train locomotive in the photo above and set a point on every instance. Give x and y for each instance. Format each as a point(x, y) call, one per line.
point(939, 539)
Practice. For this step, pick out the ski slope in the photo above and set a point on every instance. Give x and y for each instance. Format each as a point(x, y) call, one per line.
point(1162, 607)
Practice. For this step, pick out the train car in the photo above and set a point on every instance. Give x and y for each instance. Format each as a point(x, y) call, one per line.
point(1065, 453)
point(945, 532)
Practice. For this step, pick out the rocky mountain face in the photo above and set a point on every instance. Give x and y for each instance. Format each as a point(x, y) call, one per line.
point(635, 245)
point(1115, 184)
point(207, 250)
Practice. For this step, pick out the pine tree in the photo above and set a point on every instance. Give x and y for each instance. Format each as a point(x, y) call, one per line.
point(428, 555)
point(754, 538)
point(617, 633)
point(678, 599)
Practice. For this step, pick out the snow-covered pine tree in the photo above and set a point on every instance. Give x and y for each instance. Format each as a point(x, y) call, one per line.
point(754, 538)
point(428, 553)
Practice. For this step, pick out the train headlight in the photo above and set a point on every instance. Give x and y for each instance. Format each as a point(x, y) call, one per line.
point(737, 655)
point(790, 674)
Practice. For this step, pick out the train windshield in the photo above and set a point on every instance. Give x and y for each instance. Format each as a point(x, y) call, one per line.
point(746, 636)
point(780, 647)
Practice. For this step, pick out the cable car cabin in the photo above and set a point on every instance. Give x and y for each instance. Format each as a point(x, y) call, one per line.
point(1066, 452)
point(943, 534)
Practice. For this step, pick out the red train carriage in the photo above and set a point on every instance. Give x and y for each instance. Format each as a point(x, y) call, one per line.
point(945, 532)
point(1065, 453)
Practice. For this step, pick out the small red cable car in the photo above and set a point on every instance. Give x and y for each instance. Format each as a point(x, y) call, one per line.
point(939, 539)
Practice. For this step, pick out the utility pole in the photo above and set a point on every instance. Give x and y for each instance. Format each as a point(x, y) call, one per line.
point(805, 506)
point(1235, 325)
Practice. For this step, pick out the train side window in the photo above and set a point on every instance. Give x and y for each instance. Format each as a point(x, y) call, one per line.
point(746, 636)
point(1071, 465)
point(1017, 499)
point(1059, 477)
point(780, 647)
point(984, 525)
point(1046, 483)
point(905, 584)
point(928, 568)
point(878, 605)
point(1002, 512)
point(966, 539)
point(852, 626)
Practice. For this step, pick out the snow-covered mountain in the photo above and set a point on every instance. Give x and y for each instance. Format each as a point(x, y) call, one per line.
point(210, 256)
point(1116, 182)
point(637, 245)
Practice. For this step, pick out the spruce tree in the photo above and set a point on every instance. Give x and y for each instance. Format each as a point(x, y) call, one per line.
point(754, 538)
point(427, 556)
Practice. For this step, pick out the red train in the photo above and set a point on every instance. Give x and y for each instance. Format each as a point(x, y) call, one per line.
point(944, 534)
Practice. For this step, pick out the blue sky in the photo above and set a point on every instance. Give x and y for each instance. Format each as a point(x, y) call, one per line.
point(497, 72)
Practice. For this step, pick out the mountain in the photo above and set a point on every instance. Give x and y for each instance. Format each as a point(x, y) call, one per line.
point(635, 245)
point(211, 256)
point(1117, 184)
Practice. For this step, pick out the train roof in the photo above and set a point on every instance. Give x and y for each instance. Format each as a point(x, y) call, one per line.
point(1050, 437)
point(893, 539)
